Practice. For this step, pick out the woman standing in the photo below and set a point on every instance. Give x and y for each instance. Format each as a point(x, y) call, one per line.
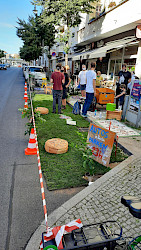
point(65, 86)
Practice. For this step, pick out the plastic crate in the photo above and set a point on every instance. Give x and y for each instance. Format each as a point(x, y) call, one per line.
point(111, 106)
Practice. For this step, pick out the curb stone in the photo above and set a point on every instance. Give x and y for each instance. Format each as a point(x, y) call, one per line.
point(34, 241)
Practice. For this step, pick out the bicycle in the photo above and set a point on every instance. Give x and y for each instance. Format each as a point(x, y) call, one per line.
point(105, 235)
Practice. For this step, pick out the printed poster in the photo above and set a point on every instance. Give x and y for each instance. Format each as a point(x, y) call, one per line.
point(100, 140)
point(135, 96)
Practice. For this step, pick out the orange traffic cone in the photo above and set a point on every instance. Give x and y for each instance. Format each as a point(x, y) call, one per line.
point(31, 149)
point(25, 96)
point(26, 104)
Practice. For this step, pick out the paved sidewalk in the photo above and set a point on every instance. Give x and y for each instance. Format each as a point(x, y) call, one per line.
point(101, 201)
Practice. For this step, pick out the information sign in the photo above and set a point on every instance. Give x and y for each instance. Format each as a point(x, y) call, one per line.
point(135, 96)
point(100, 140)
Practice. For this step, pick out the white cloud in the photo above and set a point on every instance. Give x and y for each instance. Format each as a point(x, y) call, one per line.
point(6, 25)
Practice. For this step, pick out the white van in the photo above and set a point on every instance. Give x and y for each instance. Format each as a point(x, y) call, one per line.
point(37, 72)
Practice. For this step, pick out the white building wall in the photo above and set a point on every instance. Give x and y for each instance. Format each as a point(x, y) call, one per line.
point(123, 18)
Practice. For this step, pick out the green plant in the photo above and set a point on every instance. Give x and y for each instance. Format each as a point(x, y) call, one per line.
point(27, 113)
point(112, 4)
point(88, 162)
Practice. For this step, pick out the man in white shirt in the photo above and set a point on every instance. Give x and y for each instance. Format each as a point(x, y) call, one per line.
point(82, 80)
point(90, 89)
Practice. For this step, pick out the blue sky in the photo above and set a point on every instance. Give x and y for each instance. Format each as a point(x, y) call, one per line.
point(10, 10)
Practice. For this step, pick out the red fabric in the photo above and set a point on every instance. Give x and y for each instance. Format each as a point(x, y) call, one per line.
point(58, 232)
point(57, 80)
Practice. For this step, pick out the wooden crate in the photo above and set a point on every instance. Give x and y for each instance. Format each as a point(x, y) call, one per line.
point(114, 114)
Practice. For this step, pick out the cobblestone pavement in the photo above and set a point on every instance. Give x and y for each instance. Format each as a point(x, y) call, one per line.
point(104, 203)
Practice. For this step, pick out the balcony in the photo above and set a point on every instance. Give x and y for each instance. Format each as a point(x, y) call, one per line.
point(125, 16)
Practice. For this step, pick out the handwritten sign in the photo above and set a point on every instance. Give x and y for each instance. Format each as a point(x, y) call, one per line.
point(100, 140)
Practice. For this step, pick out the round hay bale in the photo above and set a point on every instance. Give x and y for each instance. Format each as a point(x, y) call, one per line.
point(56, 146)
point(42, 110)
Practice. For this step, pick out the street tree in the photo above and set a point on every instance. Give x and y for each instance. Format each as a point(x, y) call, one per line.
point(1, 53)
point(35, 35)
point(67, 12)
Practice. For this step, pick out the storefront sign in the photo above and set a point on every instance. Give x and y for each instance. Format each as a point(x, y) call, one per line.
point(100, 140)
point(135, 96)
point(138, 31)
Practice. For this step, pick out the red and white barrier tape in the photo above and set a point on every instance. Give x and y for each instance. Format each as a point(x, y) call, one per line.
point(58, 232)
point(39, 168)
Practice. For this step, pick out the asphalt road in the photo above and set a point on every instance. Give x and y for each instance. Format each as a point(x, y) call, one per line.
point(21, 210)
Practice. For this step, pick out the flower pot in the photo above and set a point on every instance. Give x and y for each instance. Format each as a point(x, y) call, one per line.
point(89, 178)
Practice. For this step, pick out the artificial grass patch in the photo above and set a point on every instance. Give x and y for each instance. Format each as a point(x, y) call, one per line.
point(65, 170)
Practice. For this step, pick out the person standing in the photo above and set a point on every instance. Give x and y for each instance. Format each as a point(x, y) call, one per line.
point(99, 79)
point(124, 77)
point(65, 86)
point(57, 78)
point(90, 89)
point(82, 80)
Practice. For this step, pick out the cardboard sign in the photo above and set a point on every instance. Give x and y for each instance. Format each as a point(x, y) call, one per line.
point(101, 142)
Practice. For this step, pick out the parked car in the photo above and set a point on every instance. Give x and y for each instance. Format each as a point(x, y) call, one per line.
point(24, 70)
point(37, 72)
point(7, 65)
point(3, 66)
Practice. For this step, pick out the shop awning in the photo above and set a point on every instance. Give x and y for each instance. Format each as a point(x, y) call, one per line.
point(101, 52)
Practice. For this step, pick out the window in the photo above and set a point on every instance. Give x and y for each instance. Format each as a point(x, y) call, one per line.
point(98, 11)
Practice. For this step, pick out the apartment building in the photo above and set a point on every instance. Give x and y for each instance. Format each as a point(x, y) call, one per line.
point(106, 36)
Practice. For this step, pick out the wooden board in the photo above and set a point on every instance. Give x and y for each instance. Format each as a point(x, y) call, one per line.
point(113, 115)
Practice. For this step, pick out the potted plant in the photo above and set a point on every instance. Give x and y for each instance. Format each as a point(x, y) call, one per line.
point(88, 164)
point(111, 4)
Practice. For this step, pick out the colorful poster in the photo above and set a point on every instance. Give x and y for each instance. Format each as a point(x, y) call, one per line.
point(100, 140)
point(135, 96)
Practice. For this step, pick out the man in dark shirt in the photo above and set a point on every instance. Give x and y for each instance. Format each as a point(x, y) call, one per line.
point(57, 78)
point(124, 77)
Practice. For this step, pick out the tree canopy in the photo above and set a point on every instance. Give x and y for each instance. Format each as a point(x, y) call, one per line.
point(64, 12)
point(34, 35)
point(1, 53)
point(68, 11)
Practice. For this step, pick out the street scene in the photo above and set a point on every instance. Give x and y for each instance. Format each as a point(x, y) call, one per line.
point(70, 122)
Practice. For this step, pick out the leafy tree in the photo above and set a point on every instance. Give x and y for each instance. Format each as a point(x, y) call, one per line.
point(35, 35)
point(1, 53)
point(66, 11)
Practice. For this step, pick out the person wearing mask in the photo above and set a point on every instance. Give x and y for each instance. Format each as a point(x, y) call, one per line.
point(90, 89)
point(65, 86)
point(57, 78)
point(124, 77)
point(99, 78)
point(82, 80)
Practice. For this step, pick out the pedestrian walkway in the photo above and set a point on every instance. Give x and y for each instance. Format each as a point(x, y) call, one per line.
point(101, 201)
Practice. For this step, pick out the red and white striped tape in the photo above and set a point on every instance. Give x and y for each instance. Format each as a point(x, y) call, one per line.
point(39, 168)
point(58, 232)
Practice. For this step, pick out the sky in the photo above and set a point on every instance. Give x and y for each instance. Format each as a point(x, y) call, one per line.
point(10, 11)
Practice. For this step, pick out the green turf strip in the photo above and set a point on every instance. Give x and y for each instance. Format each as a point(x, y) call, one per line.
point(64, 170)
